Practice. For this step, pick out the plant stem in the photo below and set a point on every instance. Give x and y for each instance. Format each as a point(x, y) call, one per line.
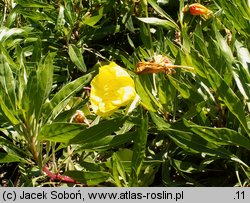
point(34, 150)
point(58, 177)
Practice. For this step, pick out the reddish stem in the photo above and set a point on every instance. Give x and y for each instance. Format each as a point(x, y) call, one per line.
point(58, 177)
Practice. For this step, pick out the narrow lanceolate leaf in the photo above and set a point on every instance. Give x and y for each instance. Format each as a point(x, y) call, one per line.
point(158, 22)
point(98, 131)
point(146, 37)
point(12, 17)
point(69, 12)
point(8, 158)
point(60, 132)
point(118, 170)
point(38, 87)
point(220, 136)
point(7, 57)
point(34, 15)
point(228, 96)
point(94, 18)
point(238, 13)
point(242, 79)
point(10, 147)
point(186, 91)
point(145, 99)
point(37, 53)
point(241, 71)
point(7, 113)
point(243, 55)
point(7, 82)
point(110, 141)
point(65, 93)
point(139, 150)
point(33, 4)
point(45, 76)
point(163, 13)
point(89, 177)
point(195, 144)
point(6, 33)
point(72, 133)
point(221, 88)
point(76, 57)
point(31, 96)
point(60, 19)
point(160, 123)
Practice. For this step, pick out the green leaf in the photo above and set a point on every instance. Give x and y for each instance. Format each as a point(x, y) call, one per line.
point(139, 150)
point(220, 55)
point(98, 131)
point(237, 12)
point(89, 178)
point(9, 147)
point(228, 96)
point(243, 55)
point(34, 15)
point(11, 18)
point(145, 36)
point(38, 87)
point(158, 22)
point(7, 57)
point(186, 41)
point(94, 18)
point(60, 132)
point(184, 166)
point(60, 19)
point(186, 91)
point(124, 156)
point(220, 136)
point(145, 99)
point(22, 74)
point(8, 83)
point(242, 79)
point(8, 158)
point(148, 83)
point(37, 53)
point(199, 41)
point(164, 14)
point(6, 33)
point(159, 122)
point(76, 57)
point(69, 12)
point(164, 90)
point(9, 115)
point(195, 144)
point(118, 170)
point(172, 46)
point(31, 97)
point(224, 92)
point(57, 103)
point(45, 75)
point(33, 4)
point(109, 142)
point(241, 71)
point(78, 134)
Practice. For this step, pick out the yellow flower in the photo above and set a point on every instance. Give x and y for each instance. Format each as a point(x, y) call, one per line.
point(111, 89)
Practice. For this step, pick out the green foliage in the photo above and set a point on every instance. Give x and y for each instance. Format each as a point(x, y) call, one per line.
point(191, 125)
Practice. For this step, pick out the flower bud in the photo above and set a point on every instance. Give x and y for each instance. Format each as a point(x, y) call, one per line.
point(197, 9)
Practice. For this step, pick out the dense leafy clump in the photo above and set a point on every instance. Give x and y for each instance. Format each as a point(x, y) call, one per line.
point(188, 124)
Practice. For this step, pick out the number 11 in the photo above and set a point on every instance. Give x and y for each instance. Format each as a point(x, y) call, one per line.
point(240, 195)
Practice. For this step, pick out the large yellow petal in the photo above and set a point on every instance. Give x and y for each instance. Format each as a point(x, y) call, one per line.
point(110, 89)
